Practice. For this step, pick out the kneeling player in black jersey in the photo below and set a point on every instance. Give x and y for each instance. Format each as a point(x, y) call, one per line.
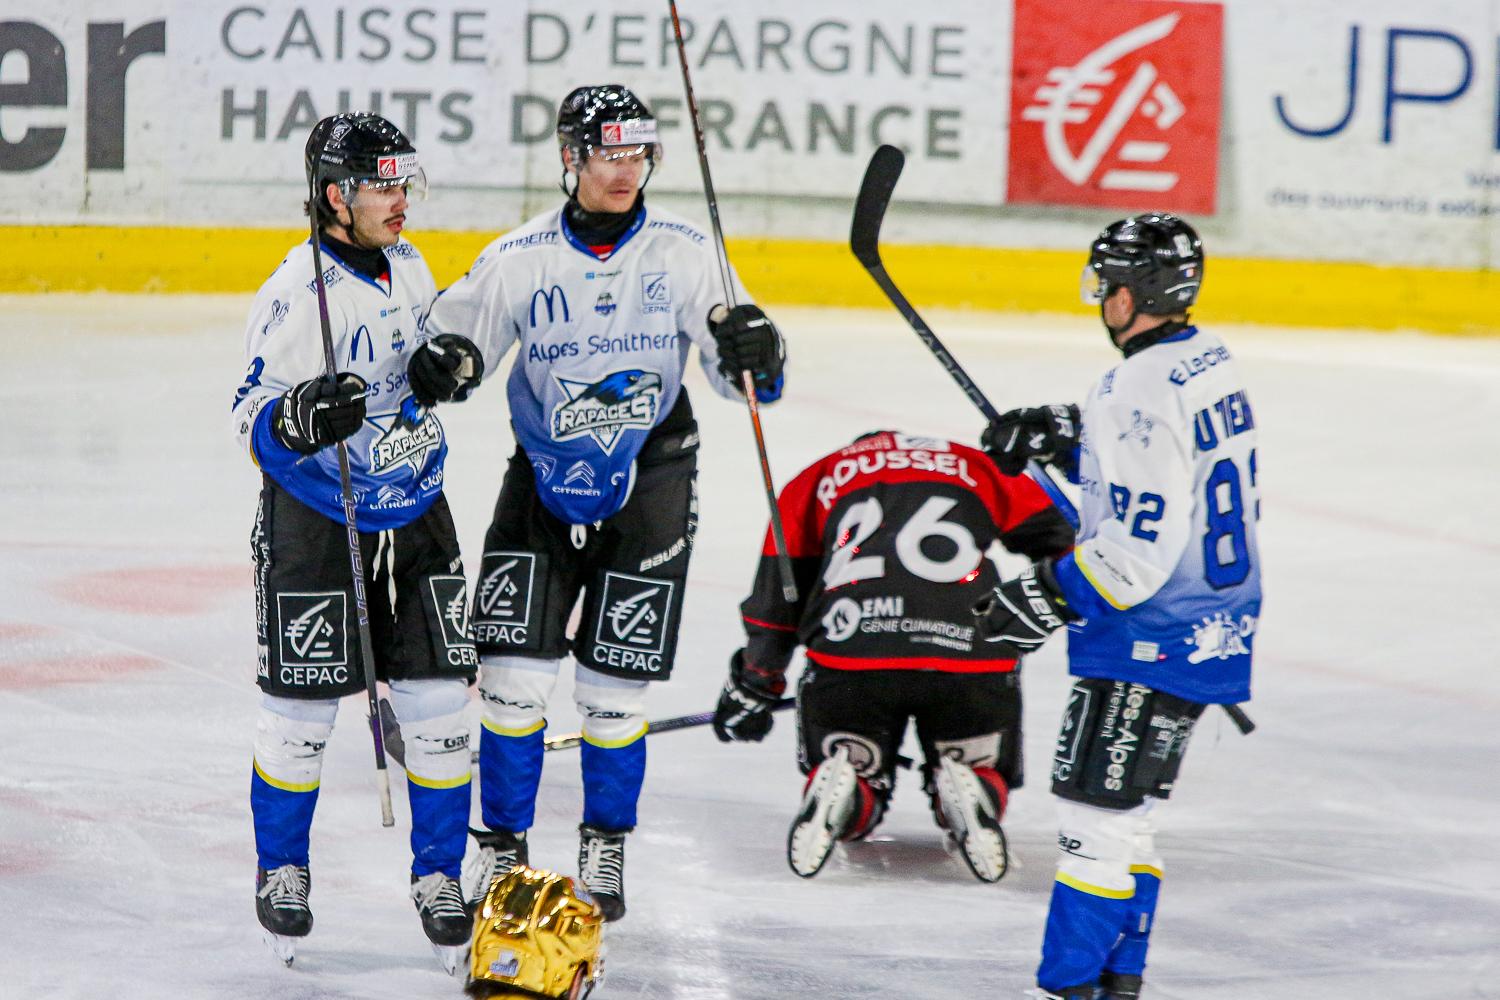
point(887, 539)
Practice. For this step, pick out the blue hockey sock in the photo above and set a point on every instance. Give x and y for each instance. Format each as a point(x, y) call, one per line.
point(1129, 954)
point(612, 779)
point(283, 816)
point(1083, 924)
point(510, 771)
point(439, 826)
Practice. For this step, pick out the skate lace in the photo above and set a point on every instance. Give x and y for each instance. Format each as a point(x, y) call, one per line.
point(439, 896)
point(603, 866)
point(286, 888)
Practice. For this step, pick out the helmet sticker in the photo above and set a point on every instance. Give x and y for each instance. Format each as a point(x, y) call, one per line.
point(399, 165)
point(630, 132)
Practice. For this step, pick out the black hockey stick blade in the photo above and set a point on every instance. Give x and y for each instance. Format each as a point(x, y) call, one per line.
point(1241, 721)
point(869, 208)
point(395, 746)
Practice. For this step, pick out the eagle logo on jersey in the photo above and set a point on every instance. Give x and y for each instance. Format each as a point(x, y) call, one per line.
point(412, 436)
point(607, 408)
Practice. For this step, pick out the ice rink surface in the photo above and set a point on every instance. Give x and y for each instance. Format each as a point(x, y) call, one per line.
point(1346, 850)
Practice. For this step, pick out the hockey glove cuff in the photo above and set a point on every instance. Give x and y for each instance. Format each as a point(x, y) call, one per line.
point(1025, 611)
point(445, 370)
point(744, 710)
point(747, 341)
point(317, 413)
point(1045, 433)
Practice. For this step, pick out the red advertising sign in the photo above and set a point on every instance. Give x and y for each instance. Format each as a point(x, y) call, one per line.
point(1116, 104)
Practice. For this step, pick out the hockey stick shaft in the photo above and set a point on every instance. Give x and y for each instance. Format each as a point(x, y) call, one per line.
point(864, 239)
point(747, 381)
point(356, 561)
point(570, 740)
point(566, 741)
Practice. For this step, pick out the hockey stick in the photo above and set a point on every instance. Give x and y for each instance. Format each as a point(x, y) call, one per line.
point(864, 239)
point(1241, 721)
point(570, 740)
point(356, 563)
point(747, 381)
point(567, 741)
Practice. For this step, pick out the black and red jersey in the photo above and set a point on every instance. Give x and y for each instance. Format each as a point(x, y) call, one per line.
point(887, 539)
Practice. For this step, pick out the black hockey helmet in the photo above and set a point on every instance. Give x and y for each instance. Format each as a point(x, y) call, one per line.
point(1158, 256)
point(607, 117)
point(354, 148)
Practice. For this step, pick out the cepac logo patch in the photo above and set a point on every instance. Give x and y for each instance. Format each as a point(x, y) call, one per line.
point(1116, 104)
point(505, 588)
point(313, 629)
point(450, 596)
point(656, 293)
point(633, 613)
point(607, 408)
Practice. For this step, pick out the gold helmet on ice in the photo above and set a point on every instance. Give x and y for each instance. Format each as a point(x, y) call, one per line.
point(536, 934)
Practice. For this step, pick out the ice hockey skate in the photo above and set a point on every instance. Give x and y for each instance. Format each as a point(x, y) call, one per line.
point(827, 806)
point(281, 907)
point(601, 865)
point(445, 918)
point(1118, 986)
point(971, 810)
point(499, 852)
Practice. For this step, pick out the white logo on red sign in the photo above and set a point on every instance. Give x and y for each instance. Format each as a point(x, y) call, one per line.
point(1116, 104)
point(1071, 96)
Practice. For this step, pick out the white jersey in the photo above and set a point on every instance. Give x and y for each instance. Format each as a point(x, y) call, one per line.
point(396, 458)
point(1166, 570)
point(602, 345)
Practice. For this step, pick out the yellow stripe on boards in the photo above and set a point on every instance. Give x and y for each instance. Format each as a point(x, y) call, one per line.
point(438, 782)
point(511, 732)
point(164, 259)
point(285, 786)
point(1094, 890)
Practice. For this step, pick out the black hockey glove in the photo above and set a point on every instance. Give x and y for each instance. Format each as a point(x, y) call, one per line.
point(744, 710)
point(1045, 433)
point(1025, 611)
point(748, 341)
point(315, 414)
point(445, 370)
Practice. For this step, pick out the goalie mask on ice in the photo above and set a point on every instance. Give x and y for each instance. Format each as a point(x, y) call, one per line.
point(536, 934)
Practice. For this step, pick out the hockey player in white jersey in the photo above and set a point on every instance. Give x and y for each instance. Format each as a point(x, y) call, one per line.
point(287, 416)
point(1161, 594)
point(603, 299)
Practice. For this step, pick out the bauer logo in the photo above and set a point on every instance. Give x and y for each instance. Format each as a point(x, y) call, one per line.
point(1116, 104)
point(313, 629)
point(633, 621)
